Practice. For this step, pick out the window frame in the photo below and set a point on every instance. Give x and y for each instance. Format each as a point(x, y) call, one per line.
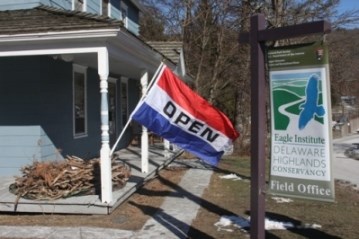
point(79, 70)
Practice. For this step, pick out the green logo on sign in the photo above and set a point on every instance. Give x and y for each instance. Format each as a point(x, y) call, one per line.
point(297, 100)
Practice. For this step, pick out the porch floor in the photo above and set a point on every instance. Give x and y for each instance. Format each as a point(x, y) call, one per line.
point(91, 204)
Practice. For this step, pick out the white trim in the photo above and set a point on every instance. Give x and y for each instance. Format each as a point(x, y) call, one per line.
point(105, 160)
point(124, 7)
point(83, 70)
point(109, 8)
point(84, 6)
point(51, 51)
point(61, 35)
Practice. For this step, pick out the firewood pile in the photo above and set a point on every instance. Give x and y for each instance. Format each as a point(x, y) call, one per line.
point(71, 177)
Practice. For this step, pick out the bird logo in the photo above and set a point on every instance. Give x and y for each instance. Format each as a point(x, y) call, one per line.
point(310, 108)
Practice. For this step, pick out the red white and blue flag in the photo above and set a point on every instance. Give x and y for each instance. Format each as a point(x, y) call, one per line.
point(173, 111)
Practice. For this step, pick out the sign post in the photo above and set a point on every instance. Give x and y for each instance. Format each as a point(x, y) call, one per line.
point(257, 36)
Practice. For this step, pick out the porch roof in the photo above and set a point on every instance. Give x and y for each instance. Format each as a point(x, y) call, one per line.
point(49, 31)
point(170, 49)
point(45, 19)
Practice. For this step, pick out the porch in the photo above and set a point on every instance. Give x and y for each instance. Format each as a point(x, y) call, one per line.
point(91, 204)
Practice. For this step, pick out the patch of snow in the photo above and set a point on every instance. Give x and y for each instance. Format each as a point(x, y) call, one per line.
point(236, 221)
point(231, 176)
point(313, 226)
point(282, 200)
point(243, 223)
point(275, 225)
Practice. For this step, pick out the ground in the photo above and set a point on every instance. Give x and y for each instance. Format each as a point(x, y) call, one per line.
point(330, 220)
point(128, 216)
point(222, 197)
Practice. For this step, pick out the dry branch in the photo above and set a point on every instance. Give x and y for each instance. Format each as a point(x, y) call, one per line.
point(73, 176)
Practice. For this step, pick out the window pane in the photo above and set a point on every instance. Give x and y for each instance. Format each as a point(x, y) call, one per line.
point(79, 100)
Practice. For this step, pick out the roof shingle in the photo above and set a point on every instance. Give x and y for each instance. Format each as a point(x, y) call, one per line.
point(47, 19)
point(170, 49)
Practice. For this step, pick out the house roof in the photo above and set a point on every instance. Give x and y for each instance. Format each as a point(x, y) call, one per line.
point(21, 28)
point(170, 49)
point(45, 19)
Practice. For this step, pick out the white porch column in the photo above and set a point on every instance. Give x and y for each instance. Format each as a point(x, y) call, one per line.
point(105, 160)
point(166, 145)
point(144, 136)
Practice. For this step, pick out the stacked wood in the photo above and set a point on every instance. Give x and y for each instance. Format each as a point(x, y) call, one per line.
point(73, 176)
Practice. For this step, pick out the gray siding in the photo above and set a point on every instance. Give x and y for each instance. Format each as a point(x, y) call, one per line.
point(64, 4)
point(37, 90)
point(94, 6)
point(41, 94)
point(22, 145)
point(18, 4)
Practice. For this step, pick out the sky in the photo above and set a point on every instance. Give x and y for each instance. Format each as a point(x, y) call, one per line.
point(348, 5)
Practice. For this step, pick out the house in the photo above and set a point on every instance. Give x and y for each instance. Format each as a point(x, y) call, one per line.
point(71, 71)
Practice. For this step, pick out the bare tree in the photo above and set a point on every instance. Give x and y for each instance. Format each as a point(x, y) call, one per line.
point(216, 60)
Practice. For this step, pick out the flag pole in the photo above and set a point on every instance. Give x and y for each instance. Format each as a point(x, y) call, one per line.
point(137, 106)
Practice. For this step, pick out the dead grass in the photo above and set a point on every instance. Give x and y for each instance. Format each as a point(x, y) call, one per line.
point(228, 197)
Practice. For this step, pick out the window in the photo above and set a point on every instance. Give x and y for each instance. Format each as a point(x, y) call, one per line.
point(124, 100)
point(79, 101)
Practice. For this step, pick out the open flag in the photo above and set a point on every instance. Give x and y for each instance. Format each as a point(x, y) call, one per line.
point(173, 111)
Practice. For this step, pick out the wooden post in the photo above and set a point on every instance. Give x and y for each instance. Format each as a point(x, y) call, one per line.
point(257, 37)
point(105, 160)
point(258, 129)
